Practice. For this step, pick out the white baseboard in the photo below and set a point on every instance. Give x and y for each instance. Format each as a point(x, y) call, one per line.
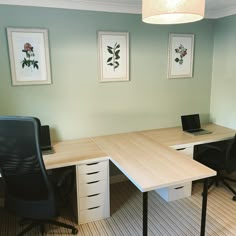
point(117, 179)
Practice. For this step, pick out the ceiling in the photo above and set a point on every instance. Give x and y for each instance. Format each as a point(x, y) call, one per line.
point(214, 8)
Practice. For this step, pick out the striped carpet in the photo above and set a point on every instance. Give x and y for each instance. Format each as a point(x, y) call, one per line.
point(178, 218)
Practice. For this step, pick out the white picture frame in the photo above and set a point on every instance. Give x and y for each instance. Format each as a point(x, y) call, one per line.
point(29, 56)
point(113, 53)
point(180, 56)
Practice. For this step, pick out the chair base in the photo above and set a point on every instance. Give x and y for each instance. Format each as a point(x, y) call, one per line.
point(42, 223)
point(219, 178)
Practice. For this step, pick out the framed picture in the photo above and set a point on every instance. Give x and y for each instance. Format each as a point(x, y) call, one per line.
point(180, 55)
point(113, 51)
point(29, 56)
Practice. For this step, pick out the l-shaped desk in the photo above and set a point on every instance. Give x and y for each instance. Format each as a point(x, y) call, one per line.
point(147, 158)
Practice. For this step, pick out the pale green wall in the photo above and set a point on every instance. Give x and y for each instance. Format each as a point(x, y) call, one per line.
point(223, 95)
point(76, 104)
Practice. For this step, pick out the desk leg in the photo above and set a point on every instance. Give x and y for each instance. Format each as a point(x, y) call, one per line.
point(145, 213)
point(204, 207)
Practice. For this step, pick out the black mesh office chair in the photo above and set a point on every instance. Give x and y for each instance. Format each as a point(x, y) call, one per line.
point(221, 157)
point(28, 191)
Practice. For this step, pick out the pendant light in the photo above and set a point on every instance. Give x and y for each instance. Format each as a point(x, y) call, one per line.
point(172, 11)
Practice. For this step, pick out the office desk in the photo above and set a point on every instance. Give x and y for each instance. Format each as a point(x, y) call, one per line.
point(146, 158)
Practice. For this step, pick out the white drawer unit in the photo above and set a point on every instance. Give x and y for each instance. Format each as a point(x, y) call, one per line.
point(181, 190)
point(175, 192)
point(93, 192)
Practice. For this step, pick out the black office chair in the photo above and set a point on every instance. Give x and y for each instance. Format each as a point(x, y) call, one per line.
point(28, 191)
point(221, 157)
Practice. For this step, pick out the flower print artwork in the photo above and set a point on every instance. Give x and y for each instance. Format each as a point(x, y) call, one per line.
point(180, 56)
point(29, 56)
point(114, 59)
point(182, 51)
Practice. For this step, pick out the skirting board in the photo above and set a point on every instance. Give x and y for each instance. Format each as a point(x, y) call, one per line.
point(117, 179)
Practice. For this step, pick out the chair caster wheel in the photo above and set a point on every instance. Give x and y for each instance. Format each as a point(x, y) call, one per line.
point(234, 198)
point(75, 231)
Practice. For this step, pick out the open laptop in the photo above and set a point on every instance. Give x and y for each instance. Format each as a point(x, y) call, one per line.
point(45, 140)
point(191, 124)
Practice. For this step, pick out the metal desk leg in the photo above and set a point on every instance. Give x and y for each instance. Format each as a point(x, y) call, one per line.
point(145, 213)
point(204, 207)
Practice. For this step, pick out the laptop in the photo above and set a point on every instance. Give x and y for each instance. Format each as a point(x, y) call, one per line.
point(45, 140)
point(191, 124)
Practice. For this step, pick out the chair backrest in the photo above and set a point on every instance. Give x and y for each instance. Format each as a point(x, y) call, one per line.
point(21, 163)
point(231, 156)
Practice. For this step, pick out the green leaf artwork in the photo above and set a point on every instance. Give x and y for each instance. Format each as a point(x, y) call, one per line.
point(183, 52)
point(113, 60)
point(28, 60)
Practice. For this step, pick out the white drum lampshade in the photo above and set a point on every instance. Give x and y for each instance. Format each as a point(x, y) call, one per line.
point(172, 11)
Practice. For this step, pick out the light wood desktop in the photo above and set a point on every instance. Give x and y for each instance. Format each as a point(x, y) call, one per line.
point(74, 152)
point(149, 164)
point(147, 158)
point(176, 138)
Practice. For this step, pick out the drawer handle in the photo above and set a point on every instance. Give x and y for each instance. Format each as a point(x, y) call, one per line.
point(93, 195)
point(180, 149)
point(179, 187)
point(91, 208)
point(91, 164)
point(93, 182)
point(93, 173)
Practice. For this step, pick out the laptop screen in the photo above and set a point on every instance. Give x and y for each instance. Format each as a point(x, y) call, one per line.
point(45, 140)
point(190, 122)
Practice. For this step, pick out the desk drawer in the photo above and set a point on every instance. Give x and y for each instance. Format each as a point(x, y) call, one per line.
point(92, 201)
point(175, 192)
point(188, 151)
point(93, 167)
point(92, 214)
point(94, 187)
point(93, 176)
point(180, 191)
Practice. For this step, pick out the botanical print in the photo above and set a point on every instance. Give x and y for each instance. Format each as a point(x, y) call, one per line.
point(113, 60)
point(29, 56)
point(29, 59)
point(180, 56)
point(113, 51)
point(183, 52)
